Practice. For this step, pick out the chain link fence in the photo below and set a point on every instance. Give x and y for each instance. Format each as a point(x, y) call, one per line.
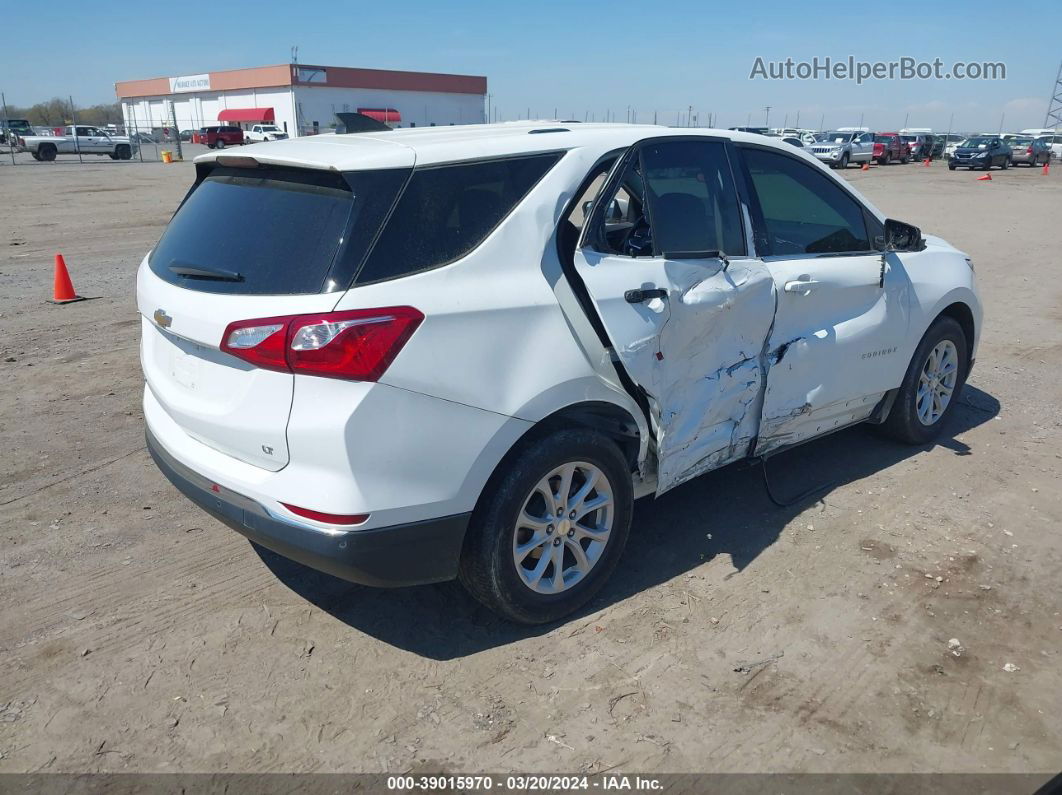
point(134, 140)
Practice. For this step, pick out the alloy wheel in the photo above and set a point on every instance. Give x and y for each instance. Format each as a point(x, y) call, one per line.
point(563, 527)
point(936, 383)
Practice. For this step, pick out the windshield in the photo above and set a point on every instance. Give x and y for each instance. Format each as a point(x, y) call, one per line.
point(269, 128)
point(977, 143)
point(833, 137)
point(884, 139)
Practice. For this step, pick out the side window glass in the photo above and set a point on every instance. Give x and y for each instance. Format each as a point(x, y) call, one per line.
point(622, 225)
point(804, 212)
point(447, 211)
point(693, 206)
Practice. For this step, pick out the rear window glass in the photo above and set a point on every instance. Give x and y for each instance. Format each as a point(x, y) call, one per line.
point(274, 231)
point(446, 211)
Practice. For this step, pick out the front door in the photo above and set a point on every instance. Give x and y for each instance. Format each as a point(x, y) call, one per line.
point(687, 311)
point(841, 321)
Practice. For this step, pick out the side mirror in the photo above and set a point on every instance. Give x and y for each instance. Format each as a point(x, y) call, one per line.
point(902, 237)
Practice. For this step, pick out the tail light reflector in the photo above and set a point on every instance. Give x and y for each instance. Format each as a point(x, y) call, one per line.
point(356, 344)
point(327, 518)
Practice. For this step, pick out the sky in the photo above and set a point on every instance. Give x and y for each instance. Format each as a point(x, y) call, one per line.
point(569, 59)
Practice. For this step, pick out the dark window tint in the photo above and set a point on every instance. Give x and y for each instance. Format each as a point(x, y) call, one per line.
point(446, 211)
point(693, 205)
point(278, 229)
point(804, 212)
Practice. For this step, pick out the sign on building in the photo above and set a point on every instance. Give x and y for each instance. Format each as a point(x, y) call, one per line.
point(182, 85)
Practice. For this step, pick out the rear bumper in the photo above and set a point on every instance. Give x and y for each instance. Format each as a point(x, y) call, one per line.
point(406, 554)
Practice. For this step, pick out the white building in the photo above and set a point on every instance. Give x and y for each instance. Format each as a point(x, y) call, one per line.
point(301, 99)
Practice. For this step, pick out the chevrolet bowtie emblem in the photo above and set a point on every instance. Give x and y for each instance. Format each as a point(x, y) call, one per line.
point(162, 318)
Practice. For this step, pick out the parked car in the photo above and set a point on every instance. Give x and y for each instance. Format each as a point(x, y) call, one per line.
point(952, 141)
point(839, 148)
point(981, 152)
point(651, 313)
point(1055, 142)
point(222, 136)
point(186, 136)
point(920, 145)
point(792, 140)
point(1030, 151)
point(937, 148)
point(77, 139)
point(144, 138)
point(11, 129)
point(889, 147)
point(265, 132)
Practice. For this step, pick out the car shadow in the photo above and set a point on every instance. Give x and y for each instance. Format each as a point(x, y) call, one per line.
point(725, 512)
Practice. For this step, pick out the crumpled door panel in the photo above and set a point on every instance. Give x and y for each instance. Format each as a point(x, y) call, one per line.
point(708, 389)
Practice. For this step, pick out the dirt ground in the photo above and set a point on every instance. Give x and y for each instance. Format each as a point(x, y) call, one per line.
point(137, 633)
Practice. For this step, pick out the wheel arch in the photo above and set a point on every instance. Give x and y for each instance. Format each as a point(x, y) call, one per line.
point(963, 315)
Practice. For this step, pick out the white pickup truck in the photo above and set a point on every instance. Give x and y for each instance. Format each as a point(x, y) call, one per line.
point(264, 132)
point(79, 138)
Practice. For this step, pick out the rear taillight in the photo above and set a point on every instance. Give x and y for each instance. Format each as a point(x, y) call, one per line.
point(1028, 151)
point(358, 344)
point(327, 518)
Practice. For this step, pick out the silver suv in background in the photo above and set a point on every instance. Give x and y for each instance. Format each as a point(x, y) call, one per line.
point(839, 148)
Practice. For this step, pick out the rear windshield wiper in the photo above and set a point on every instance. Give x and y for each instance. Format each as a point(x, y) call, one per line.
point(199, 272)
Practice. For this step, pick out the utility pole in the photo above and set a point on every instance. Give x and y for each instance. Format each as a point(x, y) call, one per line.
point(77, 139)
point(1001, 117)
point(822, 121)
point(488, 107)
point(1054, 104)
point(797, 125)
point(861, 120)
point(176, 132)
point(10, 143)
point(767, 117)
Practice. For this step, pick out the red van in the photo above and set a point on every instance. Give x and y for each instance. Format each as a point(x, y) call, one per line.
point(220, 137)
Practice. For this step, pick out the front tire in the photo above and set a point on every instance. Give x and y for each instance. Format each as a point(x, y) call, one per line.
point(932, 385)
point(844, 161)
point(47, 152)
point(550, 528)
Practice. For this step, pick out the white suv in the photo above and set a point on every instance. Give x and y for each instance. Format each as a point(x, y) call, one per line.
point(413, 355)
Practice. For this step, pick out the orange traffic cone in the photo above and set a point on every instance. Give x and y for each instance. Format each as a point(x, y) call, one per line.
point(866, 167)
point(1047, 169)
point(987, 177)
point(926, 162)
point(63, 288)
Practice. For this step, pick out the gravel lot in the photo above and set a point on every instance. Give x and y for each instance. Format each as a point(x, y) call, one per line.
point(139, 634)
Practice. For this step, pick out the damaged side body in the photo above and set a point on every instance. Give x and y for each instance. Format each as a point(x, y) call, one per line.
point(709, 387)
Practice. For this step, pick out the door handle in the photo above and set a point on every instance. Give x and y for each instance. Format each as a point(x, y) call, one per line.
point(638, 296)
point(802, 286)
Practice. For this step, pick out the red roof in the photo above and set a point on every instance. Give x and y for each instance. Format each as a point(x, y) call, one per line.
point(247, 114)
point(386, 115)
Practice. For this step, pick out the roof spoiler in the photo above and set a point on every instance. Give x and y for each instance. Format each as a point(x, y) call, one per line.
point(359, 123)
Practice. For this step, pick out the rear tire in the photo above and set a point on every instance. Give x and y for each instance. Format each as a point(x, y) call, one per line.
point(220, 144)
point(123, 152)
point(914, 418)
point(491, 567)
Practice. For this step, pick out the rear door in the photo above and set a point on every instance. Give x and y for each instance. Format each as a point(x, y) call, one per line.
point(687, 310)
point(247, 244)
point(837, 342)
